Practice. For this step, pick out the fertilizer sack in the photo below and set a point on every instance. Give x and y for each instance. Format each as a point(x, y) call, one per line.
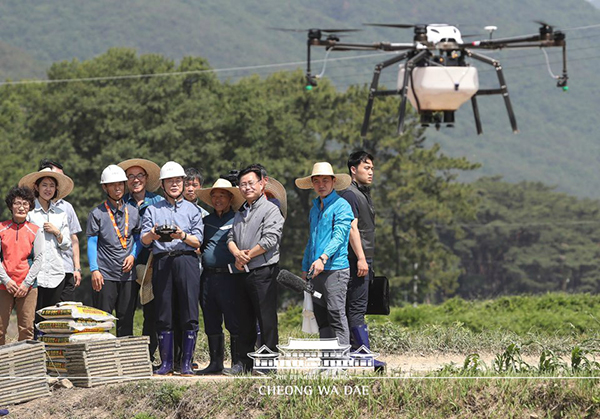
point(56, 365)
point(74, 326)
point(75, 338)
point(75, 311)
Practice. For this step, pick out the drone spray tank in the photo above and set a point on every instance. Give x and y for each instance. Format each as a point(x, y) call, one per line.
point(442, 89)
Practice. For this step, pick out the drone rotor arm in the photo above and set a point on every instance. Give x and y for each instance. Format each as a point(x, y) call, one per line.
point(503, 42)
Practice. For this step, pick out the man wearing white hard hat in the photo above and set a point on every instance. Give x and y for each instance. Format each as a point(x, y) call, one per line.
point(173, 229)
point(219, 288)
point(142, 180)
point(48, 187)
point(325, 259)
point(113, 231)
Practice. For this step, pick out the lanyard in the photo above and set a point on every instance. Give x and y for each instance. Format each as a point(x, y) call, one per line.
point(122, 239)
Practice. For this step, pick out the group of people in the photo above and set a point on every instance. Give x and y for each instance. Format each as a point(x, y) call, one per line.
point(176, 256)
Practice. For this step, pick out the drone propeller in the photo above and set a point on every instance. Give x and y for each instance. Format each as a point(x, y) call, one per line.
point(539, 22)
point(394, 25)
point(315, 29)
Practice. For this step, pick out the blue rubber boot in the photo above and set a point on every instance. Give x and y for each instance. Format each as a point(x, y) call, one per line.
point(361, 337)
point(187, 353)
point(165, 347)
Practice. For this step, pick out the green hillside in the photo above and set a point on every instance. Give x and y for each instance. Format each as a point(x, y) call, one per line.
point(558, 143)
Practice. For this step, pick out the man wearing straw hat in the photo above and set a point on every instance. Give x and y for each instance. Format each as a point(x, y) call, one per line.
point(142, 181)
point(326, 254)
point(113, 231)
point(219, 286)
point(176, 275)
point(254, 241)
point(48, 187)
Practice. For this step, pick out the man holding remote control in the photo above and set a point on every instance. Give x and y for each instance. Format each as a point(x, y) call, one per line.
point(173, 228)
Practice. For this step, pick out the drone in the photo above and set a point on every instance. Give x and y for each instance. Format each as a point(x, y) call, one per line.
point(434, 73)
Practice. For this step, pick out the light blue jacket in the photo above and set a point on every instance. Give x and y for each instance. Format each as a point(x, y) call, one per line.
point(329, 232)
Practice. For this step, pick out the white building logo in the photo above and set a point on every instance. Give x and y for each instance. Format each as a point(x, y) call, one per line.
point(313, 354)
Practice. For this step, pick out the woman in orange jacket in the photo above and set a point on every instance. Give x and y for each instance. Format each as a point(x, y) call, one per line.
point(21, 246)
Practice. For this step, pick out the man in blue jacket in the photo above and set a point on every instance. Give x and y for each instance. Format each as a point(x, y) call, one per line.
point(326, 254)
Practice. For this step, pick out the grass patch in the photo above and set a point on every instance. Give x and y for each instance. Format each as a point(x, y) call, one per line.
point(551, 314)
point(289, 397)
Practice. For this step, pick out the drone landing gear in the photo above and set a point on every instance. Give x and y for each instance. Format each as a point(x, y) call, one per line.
point(402, 91)
point(503, 90)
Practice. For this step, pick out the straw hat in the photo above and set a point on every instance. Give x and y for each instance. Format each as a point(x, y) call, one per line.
point(65, 183)
point(151, 168)
point(343, 180)
point(204, 193)
point(275, 188)
point(144, 278)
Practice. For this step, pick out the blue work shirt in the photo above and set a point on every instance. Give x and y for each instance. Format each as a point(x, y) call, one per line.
point(215, 253)
point(183, 214)
point(149, 199)
point(105, 251)
point(329, 232)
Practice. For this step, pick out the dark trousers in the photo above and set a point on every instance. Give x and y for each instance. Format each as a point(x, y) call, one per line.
point(149, 326)
point(69, 290)
point(176, 286)
point(219, 302)
point(48, 297)
point(120, 296)
point(357, 297)
point(257, 300)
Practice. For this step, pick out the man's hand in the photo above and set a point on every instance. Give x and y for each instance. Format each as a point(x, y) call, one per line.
point(22, 291)
point(363, 268)
point(97, 281)
point(153, 234)
point(317, 267)
point(12, 287)
point(128, 263)
point(77, 278)
point(178, 235)
point(241, 257)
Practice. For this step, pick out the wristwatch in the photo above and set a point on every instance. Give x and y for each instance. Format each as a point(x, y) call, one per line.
point(323, 260)
point(78, 270)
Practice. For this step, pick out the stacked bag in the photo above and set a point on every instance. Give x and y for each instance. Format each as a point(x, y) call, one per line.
point(71, 322)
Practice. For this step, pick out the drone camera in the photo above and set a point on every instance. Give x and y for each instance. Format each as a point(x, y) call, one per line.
point(449, 118)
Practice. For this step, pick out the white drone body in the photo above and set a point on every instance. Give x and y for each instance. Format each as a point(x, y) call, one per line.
point(440, 88)
point(441, 32)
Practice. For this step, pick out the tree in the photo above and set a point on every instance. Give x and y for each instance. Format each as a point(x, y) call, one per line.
point(528, 238)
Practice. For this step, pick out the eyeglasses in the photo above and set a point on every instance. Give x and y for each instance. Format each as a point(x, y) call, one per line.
point(20, 204)
point(139, 176)
point(248, 185)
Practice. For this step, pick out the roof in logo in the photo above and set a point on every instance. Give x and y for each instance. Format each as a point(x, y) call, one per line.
point(363, 352)
point(263, 352)
point(312, 344)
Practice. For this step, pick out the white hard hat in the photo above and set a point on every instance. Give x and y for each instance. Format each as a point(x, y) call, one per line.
point(112, 174)
point(171, 169)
